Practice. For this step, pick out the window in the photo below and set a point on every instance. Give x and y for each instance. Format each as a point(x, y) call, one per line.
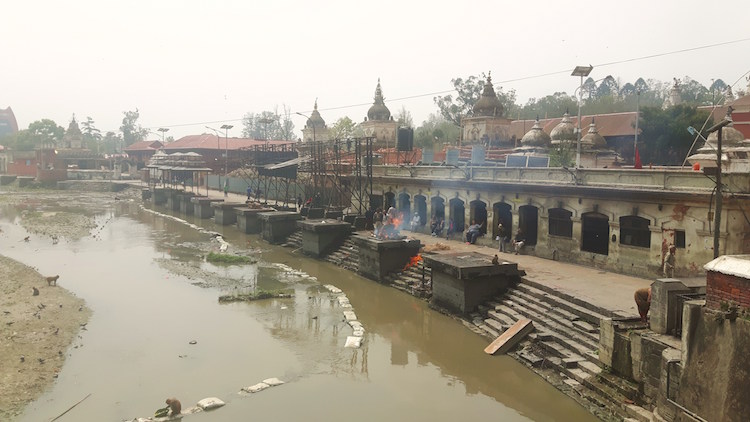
point(634, 231)
point(560, 223)
point(679, 239)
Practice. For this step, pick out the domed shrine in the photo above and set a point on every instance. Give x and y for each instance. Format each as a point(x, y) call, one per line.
point(487, 126)
point(379, 123)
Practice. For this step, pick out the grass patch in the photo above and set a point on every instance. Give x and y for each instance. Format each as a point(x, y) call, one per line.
point(259, 295)
point(222, 258)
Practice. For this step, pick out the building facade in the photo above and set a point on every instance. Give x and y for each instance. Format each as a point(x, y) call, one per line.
point(619, 220)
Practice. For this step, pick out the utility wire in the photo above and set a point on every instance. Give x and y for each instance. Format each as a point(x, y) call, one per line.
point(523, 78)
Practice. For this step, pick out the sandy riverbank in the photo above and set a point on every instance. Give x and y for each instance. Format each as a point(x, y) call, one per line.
point(38, 328)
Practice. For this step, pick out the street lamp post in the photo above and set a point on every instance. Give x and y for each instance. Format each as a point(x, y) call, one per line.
point(581, 71)
point(637, 118)
point(719, 199)
point(162, 130)
point(313, 125)
point(218, 151)
point(226, 149)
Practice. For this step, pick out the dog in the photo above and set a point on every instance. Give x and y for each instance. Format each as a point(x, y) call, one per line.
point(52, 281)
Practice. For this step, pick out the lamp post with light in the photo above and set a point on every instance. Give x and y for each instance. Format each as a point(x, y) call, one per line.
point(162, 130)
point(226, 149)
point(581, 71)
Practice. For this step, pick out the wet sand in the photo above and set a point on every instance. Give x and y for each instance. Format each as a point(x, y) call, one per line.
point(35, 333)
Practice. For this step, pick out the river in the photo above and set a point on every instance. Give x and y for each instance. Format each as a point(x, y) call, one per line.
point(152, 293)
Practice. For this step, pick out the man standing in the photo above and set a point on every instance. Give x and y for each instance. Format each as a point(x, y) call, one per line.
point(669, 262)
point(415, 221)
point(249, 192)
point(503, 238)
point(226, 187)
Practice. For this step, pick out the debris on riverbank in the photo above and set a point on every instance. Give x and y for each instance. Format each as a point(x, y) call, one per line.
point(259, 295)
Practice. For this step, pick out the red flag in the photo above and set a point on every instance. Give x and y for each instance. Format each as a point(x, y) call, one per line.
point(637, 164)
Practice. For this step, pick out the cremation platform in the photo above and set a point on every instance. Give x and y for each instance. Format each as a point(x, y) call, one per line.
point(224, 212)
point(186, 206)
point(159, 197)
point(277, 226)
point(319, 237)
point(462, 281)
point(173, 199)
point(248, 220)
point(202, 206)
point(377, 257)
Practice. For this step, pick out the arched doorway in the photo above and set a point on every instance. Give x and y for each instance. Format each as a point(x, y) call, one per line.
point(528, 220)
point(457, 213)
point(478, 214)
point(389, 200)
point(420, 206)
point(437, 205)
point(595, 233)
point(502, 214)
point(403, 206)
point(376, 201)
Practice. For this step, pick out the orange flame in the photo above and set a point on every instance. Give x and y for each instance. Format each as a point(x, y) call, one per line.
point(412, 262)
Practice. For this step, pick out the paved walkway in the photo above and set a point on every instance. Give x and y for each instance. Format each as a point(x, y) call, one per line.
point(604, 289)
point(611, 291)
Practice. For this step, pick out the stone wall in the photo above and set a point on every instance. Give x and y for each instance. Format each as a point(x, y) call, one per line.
point(716, 368)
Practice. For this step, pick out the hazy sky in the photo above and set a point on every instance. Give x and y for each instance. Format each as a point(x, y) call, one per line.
point(186, 63)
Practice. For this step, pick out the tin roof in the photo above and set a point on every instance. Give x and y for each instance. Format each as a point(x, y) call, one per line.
point(144, 146)
point(212, 142)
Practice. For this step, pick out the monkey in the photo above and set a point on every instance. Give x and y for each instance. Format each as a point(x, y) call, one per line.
point(495, 260)
point(34, 291)
point(52, 280)
point(174, 405)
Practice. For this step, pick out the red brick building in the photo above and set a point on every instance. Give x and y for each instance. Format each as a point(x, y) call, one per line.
point(728, 281)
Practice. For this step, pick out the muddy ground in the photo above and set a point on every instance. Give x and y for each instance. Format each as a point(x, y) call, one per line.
point(36, 331)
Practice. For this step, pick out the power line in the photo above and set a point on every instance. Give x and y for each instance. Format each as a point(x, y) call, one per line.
point(523, 78)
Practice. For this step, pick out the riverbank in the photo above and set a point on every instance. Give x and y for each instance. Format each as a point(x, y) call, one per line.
point(35, 334)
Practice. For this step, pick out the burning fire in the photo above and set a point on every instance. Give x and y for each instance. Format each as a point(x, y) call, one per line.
point(412, 262)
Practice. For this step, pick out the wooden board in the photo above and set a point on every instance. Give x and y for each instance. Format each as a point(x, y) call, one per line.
point(510, 337)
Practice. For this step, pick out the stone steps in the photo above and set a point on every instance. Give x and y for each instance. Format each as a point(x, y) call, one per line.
point(564, 299)
point(546, 310)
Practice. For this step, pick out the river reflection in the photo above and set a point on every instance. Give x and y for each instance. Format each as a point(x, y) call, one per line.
point(140, 272)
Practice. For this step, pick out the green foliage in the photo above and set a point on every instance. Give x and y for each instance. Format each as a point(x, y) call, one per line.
point(222, 258)
point(562, 155)
point(554, 105)
point(664, 137)
point(132, 132)
point(345, 128)
point(404, 117)
point(453, 107)
point(260, 294)
point(40, 132)
point(92, 136)
point(111, 143)
point(435, 131)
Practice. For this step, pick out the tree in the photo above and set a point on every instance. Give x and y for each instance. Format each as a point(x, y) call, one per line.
point(468, 91)
point(693, 92)
point(269, 125)
point(132, 132)
point(404, 117)
point(608, 86)
point(588, 89)
point(345, 128)
point(91, 135)
point(562, 155)
point(111, 143)
point(664, 136)
point(550, 106)
point(435, 130)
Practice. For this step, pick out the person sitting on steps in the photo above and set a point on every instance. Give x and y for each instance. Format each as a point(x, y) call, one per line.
point(519, 241)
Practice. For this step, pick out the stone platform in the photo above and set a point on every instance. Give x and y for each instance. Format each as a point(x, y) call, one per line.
point(248, 220)
point(186, 206)
point(277, 226)
point(461, 281)
point(377, 257)
point(224, 212)
point(202, 206)
point(159, 196)
point(319, 237)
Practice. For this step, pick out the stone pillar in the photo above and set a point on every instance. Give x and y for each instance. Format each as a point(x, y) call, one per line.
point(319, 237)
point(248, 221)
point(159, 197)
point(462, 281)
point(186, 206)
point(202, 206)
point(666, 310)
point(224, 212)
point(377, 258)
point(277, 226)
point(173, 200)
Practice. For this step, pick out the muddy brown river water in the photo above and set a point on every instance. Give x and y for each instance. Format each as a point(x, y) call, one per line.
point(151, 292)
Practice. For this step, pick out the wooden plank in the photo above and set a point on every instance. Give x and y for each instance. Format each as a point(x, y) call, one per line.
point(510, 337)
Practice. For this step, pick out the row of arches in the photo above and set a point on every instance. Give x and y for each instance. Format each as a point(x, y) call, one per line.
point(595, 226)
